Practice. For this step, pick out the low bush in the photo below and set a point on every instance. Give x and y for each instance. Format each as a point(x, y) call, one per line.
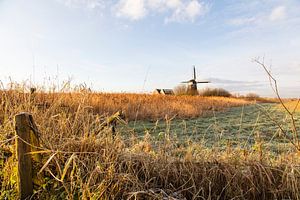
point(216, 92)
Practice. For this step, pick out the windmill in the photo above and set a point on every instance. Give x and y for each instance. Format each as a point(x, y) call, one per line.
point(192, 84)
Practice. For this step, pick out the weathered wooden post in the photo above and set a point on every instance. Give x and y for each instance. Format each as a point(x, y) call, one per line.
point(24, 131)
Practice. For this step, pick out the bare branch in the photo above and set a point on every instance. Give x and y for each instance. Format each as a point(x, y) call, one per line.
point(274, 85)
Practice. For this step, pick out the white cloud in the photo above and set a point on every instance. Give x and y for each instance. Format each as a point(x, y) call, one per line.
point(242, 21)
point(194, 9)
point(188, 11)
point(178, 10)
point(171, 10)
point(90, 4)
point(163, 5)
point(155, 4)
point(131, 9)
point(173, 4)
point(278, 13)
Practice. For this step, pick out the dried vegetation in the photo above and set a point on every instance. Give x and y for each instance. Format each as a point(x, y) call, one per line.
point(83, 161)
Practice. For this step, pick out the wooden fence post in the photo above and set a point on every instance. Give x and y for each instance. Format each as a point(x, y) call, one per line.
point(24, 123)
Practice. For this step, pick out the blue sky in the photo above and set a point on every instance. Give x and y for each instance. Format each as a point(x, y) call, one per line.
point(139, 45)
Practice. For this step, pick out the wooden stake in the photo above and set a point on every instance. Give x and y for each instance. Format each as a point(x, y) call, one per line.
point(23, 129)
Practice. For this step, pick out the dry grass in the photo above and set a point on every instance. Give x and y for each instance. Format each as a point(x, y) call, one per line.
point(83, 161)
point(293, 106)
point(135, 106)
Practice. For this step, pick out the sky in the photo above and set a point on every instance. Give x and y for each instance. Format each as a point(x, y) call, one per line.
point(140, 45)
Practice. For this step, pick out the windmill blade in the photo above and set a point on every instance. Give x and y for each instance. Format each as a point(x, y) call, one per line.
point(194, 72)
point(185, 81)
point(203, 81)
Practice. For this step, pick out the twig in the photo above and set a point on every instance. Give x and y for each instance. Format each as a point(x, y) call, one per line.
point(291, 114)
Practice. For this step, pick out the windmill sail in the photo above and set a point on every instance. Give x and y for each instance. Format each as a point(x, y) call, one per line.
point(192, 84)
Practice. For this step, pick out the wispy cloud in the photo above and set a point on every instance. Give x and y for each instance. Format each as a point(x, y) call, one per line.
point(241, 21)
point(261, 19)
point(261, 14)
point(278, 13)
point(89, 4)
point(163, 5)
point(240, 86)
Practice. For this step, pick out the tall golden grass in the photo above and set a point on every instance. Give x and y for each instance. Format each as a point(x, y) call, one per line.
point(135, 106)
point(293, 105)
point(83, 161)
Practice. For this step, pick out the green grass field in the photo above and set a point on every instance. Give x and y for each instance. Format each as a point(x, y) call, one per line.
point(237, 125)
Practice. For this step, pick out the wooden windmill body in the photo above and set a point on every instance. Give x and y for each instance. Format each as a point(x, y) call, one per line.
point(192, 84)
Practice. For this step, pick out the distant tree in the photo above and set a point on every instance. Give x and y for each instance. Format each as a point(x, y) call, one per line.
point(252, 96)
point(218, 92)
point(180, 90)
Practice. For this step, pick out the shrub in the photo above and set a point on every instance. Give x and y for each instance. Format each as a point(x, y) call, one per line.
point(180, 90)
point(218, 92)
point(252, 96)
